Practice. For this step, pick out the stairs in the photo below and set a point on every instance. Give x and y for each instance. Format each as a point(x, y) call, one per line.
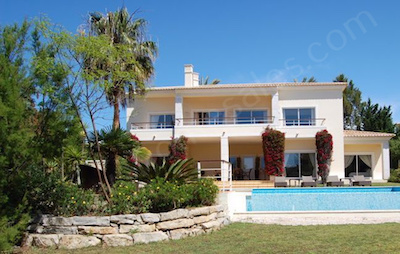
point(248, 184)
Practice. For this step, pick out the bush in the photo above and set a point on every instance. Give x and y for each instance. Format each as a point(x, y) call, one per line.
point(395, 176)
point(162, 196)
point(46, 193)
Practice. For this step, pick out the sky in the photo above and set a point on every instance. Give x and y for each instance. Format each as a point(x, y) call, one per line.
point(256, 40)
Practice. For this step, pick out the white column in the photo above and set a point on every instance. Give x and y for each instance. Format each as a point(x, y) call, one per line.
point(386, 160)
point(129, 112)
point(178, 110)
point(225, 157)
point(276, 113)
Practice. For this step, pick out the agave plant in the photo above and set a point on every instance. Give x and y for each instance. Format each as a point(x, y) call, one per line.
point(180, 171)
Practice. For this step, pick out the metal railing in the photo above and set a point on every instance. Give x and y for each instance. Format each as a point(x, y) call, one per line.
point(226, 120)
point(219, 170)
point(303, 122)
point(152, 125)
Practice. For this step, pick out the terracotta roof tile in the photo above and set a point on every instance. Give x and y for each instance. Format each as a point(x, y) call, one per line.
point(250, 85)
point(353, 133)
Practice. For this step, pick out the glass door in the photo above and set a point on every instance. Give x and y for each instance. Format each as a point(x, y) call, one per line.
point(248, 168)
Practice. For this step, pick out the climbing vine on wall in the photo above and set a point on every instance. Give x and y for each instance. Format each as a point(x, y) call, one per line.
point(324, 145)
point(274, 151)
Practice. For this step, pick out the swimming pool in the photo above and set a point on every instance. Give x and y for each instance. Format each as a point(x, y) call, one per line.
point(324, 199)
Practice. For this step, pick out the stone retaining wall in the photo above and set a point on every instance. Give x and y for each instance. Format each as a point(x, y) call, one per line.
point(123, 230)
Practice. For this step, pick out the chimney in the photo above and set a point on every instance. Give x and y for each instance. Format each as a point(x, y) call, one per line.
point(191, 78)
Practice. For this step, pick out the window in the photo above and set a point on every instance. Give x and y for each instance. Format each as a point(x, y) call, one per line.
point(208, 118)
point(251, 116)
point(163, 121)
point(300, 164)
point(358, 165)
point(299, 116)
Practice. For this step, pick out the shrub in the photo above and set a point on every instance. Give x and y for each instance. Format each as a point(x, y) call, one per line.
point(177, 149)
point(324, 145)
point(274, 151)
point(395, 176)
point(180, 171)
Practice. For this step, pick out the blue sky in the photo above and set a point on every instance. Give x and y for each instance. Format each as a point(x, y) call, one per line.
point(257, 41)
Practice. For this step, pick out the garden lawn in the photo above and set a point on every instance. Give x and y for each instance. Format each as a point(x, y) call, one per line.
point(254, 238)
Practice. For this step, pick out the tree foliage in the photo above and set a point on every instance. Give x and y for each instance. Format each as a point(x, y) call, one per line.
point(376, 118)
point(126, 75)
point(352, 104)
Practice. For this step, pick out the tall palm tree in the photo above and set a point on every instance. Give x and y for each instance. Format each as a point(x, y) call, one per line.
point(123, 30)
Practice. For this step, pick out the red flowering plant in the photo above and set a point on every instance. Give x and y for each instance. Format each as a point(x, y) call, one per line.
point(274, 151)
point(324, 144)
point(133, 157)
point(177, 149)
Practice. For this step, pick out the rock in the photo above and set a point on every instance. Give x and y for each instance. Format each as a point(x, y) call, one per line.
point(216, 208)
point(179, 233)
point(35, 228)
point(117, 240)
point(150, 217)
point(149, 237)
point(175, 214)
point(125, 229)
point(87, 230)
point(91, 221)
point(205, 218)
point(174, 224)
point(124, 218)
point(199, 211)
point(226, 221)
point(56, 221)
point(60, 230)
point(212, 224)
point(221, 214)
point(27, 240)
point(44, 241)
point(78, 241)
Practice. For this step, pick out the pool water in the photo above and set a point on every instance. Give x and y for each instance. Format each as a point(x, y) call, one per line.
point(324, 199)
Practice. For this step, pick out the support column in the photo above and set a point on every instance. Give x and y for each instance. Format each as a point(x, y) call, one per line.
point(276, 113)
point(225, 157)
point(386, 160)
point(178, 110)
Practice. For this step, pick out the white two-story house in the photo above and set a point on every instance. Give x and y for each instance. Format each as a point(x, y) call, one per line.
point(224, 122)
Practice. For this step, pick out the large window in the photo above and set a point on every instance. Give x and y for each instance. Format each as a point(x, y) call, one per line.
point(300, 164)
point(299, 116)
point(358, 165)
point(207, 118)
point(162, 121)
point(251, 116)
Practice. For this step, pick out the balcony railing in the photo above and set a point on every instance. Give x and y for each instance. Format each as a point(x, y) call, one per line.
point(152, 125)
point(227, 120)
point(303, 122)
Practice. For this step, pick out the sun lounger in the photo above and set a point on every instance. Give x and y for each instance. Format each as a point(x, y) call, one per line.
point(359, 180)
point(308, 181)
point(334, 181)
point(280, 181)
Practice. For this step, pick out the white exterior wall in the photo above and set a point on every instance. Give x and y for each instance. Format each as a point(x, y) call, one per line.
point(328, 104)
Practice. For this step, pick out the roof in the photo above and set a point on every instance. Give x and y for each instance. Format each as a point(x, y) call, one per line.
point(251, 85)
point(360, 134)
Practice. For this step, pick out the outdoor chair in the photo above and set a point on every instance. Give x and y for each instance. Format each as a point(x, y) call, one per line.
point(359, 180)
point(334, 181)
point(308, 181)
point(280, 181)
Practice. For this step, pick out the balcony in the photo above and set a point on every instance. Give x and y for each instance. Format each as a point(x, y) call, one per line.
point(230, 126)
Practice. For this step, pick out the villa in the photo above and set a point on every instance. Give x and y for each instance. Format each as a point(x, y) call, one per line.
point(224, 123)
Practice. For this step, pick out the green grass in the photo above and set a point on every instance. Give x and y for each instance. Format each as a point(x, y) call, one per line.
point(254, 238)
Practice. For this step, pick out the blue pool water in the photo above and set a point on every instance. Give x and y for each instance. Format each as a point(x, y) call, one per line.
point(324, 199)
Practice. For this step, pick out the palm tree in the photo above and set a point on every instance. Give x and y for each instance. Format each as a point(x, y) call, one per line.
point(205, 81)
point(123, 30)
point(114, 143)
